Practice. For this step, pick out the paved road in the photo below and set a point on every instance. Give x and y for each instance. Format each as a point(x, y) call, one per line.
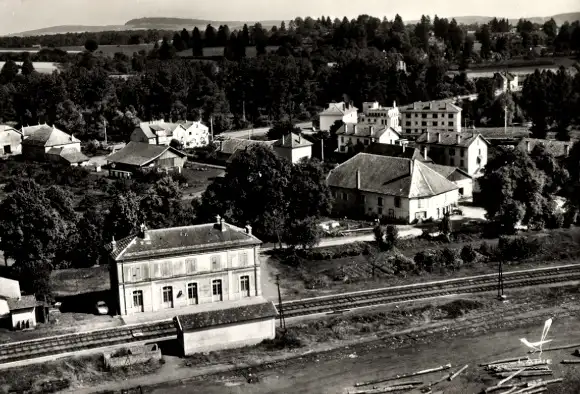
point(258, 131)
point(406, 233)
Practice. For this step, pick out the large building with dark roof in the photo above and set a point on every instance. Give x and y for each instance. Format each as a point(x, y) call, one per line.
point(47, 143)
point(174, 268)
point(397, 188)
point(141, 156)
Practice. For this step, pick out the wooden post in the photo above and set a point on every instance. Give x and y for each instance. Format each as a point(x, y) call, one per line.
point(423, 372)
point(458, 372)
point(322, 149)
point(281, 311)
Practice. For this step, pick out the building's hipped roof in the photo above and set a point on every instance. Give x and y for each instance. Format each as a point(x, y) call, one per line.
point(390, 176)
point(70, 155)
point(391, 150)
point(449, 138)
point(45, 135)
point(364, 130)
point(292, 141)
point(338, 109)
point(442, 105)
point(181, 240)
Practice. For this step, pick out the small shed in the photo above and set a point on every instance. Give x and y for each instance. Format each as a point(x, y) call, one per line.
point(23, 312)
point(226, 328)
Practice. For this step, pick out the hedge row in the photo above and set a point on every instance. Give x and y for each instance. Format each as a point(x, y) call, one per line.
point(337, 252)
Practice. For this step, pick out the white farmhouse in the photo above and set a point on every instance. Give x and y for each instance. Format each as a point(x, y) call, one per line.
point(342, 111)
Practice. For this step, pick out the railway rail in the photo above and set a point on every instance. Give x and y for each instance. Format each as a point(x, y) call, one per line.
point(165, 330)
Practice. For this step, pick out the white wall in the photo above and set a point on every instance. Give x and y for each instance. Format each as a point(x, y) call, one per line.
point(4, 310)
point(328, 120)
point(196, 135)
point(389, 137)
point(138, 136)
point(76, 146)
point(23, 316)
point(151, 276)
point(229, 336)
point(433, 207)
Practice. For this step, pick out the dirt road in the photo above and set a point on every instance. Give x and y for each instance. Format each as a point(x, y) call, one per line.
point(336, 373)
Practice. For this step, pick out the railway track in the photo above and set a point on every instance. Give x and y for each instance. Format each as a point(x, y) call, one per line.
point(165, 330)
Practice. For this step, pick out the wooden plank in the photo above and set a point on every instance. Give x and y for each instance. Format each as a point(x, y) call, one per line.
point(458, 372)
point(423, 372)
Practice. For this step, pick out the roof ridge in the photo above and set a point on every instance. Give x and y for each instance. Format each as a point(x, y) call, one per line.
point(423, 176)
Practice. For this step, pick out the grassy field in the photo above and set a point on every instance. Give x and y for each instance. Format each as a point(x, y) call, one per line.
point(198, 178)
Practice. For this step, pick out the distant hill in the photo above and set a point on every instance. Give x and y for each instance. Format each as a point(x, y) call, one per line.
point(175, 24)
point(471, 20)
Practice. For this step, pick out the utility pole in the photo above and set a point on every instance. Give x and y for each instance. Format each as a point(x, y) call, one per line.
point(244, 110)
point(281, 310)
point(505, 110)
point(322, 149)
point(105, 123)
point(211, 127)
point(500, 294)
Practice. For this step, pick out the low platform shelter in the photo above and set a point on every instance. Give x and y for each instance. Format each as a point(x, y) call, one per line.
point(247, 323)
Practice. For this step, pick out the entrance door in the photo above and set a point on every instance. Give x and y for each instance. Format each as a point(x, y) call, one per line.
point(192, 294)
point(138, 301)
point(167, 297)
point(217, 294)
point(7, 149)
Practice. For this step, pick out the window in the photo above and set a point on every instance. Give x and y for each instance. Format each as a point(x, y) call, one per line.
point(345, 196)
point(391, 213)
point(138, 299)
point(451, 161)
point(136, 273)
point(397, 202)
point(407, 115)
point(450, 123)
point(215, 262)
point(407, 123)
point(192, 294)
point(166, 268)
point(462, 163)
point(451, 152)
point(462, 152)
point(342, 139)
point(243, 259)
point(190, 265)
point(380, 210)
point(245, 286)
point(366, 142)
point(434, 123)
point(380, 201)
point(423, 123)
point(424, 116)
point(7, 149)
point(450, 116)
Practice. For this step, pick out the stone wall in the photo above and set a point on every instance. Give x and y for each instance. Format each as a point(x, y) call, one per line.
point(133, 355)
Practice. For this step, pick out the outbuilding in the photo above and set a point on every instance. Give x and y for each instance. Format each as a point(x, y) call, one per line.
point(245, 324)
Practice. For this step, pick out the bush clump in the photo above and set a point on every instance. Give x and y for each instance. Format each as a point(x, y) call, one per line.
point(337, 252)
point(468, 254)
point(518, 248)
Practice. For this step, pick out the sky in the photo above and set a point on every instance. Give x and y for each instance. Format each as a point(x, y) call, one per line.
point(22, 15)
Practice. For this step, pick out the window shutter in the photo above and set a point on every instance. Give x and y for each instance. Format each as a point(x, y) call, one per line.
point(156, 270)
point(178, 267)
point(128, 277)
point(236, 284)
point(145, 274)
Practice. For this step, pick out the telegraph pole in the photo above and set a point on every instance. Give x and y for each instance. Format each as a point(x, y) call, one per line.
point(322, 149)
point(211, 127)
point(281, 310)
point(500, 294)
point(505, 109)
point(105, 123)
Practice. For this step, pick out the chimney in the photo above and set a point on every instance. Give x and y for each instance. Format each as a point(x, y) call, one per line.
point(528, 147)
point(438, 137)
point(71, 137)
point(299, 138)
point(411, 167)
point(283, 139)
point(403, 145)
point(372, 130)
point(358, 179)
point(425, 153)
point(144, 233)
point(345, 128)
point(222, 225)
point(567, 148)
point(248, 229)
point(355, 129)
point(428, 136)
point(458, 139)
point(394, 104)
point(114, 244)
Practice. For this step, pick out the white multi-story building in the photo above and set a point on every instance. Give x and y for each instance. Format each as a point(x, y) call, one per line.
point(374, 114)
point(350, 135)
point(342, 111)
point(173, 268)
point(419, 117)
point(159, 132)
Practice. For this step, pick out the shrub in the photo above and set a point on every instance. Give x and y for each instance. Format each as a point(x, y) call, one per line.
point(336, 252)
point(448, 258)
point(554, 220)
point(427, 260)
point(518, 248)
point(391, 236)
point(402, 265)
point(485, 249)
point(468, 254)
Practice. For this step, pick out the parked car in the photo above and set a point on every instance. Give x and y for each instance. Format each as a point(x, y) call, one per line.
point(102, 308)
